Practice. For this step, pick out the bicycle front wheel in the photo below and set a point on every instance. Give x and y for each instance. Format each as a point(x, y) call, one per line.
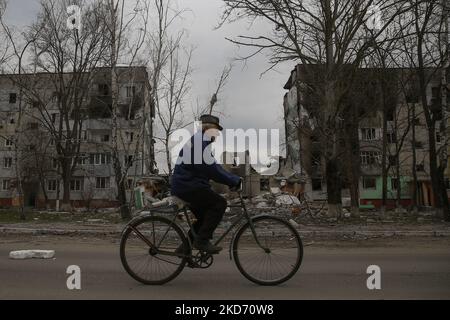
point(147, 250)
point(276, 258)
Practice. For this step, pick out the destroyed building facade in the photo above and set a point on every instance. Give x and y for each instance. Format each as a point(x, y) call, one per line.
point(365, 119)
point(32, 129)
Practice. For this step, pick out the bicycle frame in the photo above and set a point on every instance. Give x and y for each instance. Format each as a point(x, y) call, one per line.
point(242, 216)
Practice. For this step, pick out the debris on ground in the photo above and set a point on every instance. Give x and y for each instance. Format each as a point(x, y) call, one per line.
point(32, 254)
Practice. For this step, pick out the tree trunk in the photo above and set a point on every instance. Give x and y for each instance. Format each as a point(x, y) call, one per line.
point(119, 178)
point(65, 205)
point(414, 162)
point(353, 154)
point(333, 188)
point(168, 159)
point(330, 117)
point(384, 172)
point(437, 175)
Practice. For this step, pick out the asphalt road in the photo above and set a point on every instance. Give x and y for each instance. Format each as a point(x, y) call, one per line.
point(410, 269)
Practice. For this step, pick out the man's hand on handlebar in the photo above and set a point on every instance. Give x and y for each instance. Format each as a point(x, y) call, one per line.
point(237, 187)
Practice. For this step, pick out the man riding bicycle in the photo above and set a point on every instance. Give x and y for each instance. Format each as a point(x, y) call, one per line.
point(190, 182)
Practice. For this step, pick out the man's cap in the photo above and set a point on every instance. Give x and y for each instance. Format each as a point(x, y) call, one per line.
point(207, 118)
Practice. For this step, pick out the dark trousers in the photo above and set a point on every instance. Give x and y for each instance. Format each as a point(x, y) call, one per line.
point(208, 208)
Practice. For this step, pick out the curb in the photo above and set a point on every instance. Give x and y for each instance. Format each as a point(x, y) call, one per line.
point(306, 234)
point(57, 232)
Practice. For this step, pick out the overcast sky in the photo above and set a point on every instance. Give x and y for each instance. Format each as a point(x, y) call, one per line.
point(248, 100)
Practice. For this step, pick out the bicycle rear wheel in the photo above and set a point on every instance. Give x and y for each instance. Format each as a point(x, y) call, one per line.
point(147, 250)
point(279, 262)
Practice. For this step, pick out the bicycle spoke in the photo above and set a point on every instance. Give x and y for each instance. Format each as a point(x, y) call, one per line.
point(280, 263)
point(155, 263)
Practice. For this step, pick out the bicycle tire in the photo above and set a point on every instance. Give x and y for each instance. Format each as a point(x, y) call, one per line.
point(242, 269)
point(123, 246)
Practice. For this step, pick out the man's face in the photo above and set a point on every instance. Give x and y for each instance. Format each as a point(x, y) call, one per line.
point(212, 131)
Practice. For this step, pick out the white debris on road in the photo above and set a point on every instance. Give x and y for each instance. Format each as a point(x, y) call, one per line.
point(32, 254)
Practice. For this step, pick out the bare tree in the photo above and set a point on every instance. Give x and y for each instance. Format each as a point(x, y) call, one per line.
point(170, 104)
point(425, 52)
point(326, 33)
point(16, 46)
point(171, 67)
point(69, 59)
point(123, 45)
point(221, 83)
point(4, 39)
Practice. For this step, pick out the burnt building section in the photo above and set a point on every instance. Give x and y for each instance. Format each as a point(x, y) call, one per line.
point(380, 115)
point(33, 136)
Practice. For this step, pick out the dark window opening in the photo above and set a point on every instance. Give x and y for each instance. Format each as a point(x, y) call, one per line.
point(392, 160)
point(12, 98)
point(369, 183)
point(316, 184)
point(390, 114)
point(391, 137)
point(131, 91)
point(394, 183)
point(103, 89)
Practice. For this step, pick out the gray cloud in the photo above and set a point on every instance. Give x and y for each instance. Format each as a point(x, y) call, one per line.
point(248, 101)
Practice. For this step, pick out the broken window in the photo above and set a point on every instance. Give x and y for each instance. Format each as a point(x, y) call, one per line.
point(390, 114)
point(391, 137)
point(438, 136)
point(394, 183)
point(55, 163)
point(392, 160)
point(8, 142)
point(103, 89)
point(7, 162)
point(12, 98)
point(316, 184)
point(102, 183)
point(82, 159)
point(369, 158)
point(131, 91)
point(369, 183)
point(130, 184)
point(129, 136)
point(100, 158)
point(5, 184)
point(128, 161)
point(52, 185)
point(418, 144)
point(368, 134)
point(76, 184)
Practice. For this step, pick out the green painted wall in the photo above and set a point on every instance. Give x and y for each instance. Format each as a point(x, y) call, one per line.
point(391, 194)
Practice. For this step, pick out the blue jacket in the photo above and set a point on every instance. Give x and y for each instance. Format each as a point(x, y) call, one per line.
point(188, 176)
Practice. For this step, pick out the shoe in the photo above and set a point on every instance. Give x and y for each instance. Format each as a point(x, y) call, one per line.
point(206, 246)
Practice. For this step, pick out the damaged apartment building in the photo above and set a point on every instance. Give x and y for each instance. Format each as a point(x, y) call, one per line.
point(361, 147)
point(34, 136)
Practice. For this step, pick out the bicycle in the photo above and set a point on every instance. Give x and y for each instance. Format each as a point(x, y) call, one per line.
point(267, 250)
